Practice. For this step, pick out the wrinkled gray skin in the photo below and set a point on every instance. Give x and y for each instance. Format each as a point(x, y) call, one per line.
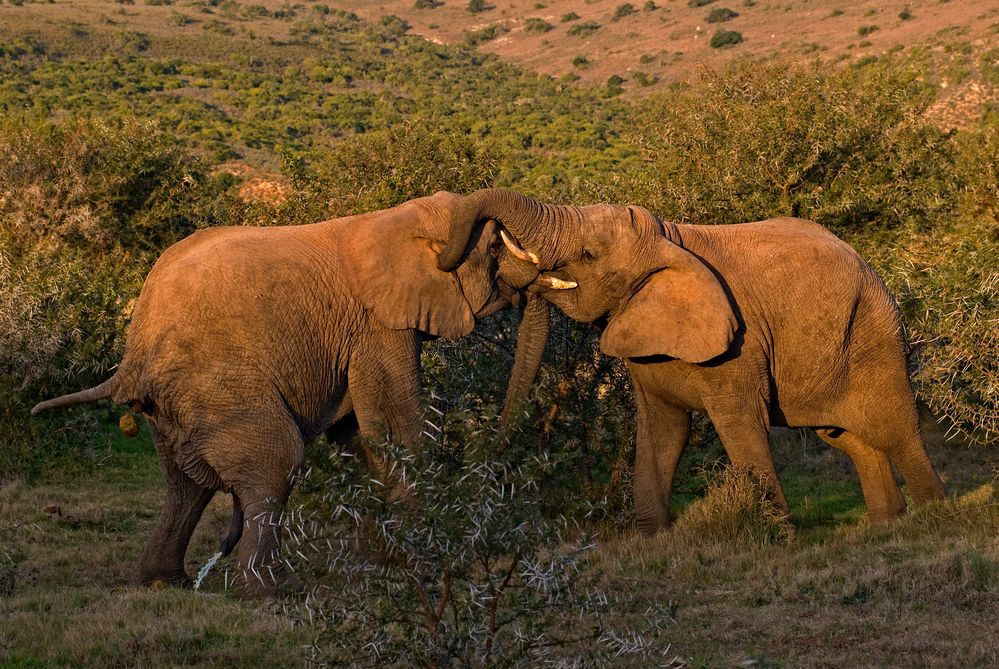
point(247, 343)
point(772, 323)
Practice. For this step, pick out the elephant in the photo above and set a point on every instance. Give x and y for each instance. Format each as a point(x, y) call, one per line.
point(769, 323)
point(248, 342)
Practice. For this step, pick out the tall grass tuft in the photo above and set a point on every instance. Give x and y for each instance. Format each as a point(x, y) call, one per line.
point(736, 511)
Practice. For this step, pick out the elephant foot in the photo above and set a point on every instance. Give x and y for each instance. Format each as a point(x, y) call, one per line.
point(162, 581)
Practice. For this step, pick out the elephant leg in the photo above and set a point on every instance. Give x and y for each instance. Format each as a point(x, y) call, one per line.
point(384, 381)
point(163, 557)
point(258, 464)
point(900, 440)
point(881, 493)
point(663, 431)
point(882, 413)
point(744, 431)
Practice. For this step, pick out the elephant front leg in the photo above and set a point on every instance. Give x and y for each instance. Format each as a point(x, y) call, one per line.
point(163, 557)
point(384, 380)
point(744, 431)
point(663, 431)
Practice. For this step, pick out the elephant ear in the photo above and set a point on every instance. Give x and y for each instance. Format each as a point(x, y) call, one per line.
point(680, 311)
point(390, 261)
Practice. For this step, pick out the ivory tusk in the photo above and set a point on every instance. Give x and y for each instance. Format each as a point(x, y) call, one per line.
point(557, 284)
point(523, 254)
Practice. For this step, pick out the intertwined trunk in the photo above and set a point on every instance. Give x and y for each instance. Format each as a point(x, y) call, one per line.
point(549, 231)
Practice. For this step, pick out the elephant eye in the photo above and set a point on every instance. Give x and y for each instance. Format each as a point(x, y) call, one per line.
point(587, 256)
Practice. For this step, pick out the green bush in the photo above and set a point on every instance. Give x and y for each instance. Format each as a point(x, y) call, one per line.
point(569, 16)
point(643, 79)
point(723, 38)
point(584, 29)
point(864, 31)
point(621, 11)
point(847, 148)
point(86, 208)
point(382, 169)
point(720, 15)
point(536, 25)
point(477, 6)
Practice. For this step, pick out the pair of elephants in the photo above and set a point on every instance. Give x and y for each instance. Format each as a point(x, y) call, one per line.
point(247, 343)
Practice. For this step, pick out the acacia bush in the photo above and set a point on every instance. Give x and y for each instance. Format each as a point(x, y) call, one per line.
point(467, 568)
point(383, 169)
point(848, 149)
point(85, 208)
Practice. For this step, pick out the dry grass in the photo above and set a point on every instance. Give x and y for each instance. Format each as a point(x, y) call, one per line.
point(918, 592)
point(739, 585)
point(74, 546)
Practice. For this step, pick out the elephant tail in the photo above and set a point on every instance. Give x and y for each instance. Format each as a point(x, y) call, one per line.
point(89, 395)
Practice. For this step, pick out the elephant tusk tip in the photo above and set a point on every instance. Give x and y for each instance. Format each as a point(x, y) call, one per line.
point(556, 284)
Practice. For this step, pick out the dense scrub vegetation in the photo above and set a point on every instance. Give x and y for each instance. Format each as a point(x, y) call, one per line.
point(362, 116)
point(240, 95)
point(109, 147)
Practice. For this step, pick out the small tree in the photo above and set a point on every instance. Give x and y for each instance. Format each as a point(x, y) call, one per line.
point(720, 15)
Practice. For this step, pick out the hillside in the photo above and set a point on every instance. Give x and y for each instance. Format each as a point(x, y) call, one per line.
point(652, 45)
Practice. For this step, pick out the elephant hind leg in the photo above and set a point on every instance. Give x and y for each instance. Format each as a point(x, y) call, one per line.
point(163, 557)
point(882, 414)
point(881, 494)
point(257, 463)
point(901, 441)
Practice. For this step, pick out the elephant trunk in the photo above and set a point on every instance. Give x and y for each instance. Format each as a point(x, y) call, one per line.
point(545, 230)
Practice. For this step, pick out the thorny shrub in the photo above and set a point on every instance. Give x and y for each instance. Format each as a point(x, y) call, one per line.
point(450, 559)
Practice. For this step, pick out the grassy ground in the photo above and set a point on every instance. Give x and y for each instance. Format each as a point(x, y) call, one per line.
point(921, 591)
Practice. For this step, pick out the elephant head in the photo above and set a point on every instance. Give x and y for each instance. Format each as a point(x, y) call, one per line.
point(614, 266)
point(393, 265)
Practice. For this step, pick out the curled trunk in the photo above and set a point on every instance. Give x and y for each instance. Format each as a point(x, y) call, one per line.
point(548, 231)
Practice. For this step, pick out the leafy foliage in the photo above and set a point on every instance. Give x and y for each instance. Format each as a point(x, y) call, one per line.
point(846, 149)
point(84, 209)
